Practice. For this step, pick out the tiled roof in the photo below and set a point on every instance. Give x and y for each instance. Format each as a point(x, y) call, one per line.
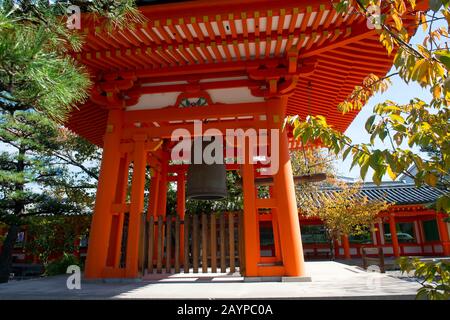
point(230, 45)
point(399, 193)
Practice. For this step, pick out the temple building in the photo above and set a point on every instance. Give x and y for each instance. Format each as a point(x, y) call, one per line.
point(421, 231)
point(224, 66)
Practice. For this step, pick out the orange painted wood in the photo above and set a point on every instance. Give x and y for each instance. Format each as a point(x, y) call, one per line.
point(276, 234)
point(185, 29)
point(204, 243)
point(112, 250)
point(250, 217)
point(284, 192)
point(220, 27)
point(346, 245)
point(195, 243)
point(318, 17)
point(342, 41)
point(294, 17)
point(102, 218)
point(394, 238)
point(119, 240)
point(181, 208)
point(282, 16)
point(213, 111)
point(135, 56)
point(136, 207)
point(271, 271)
point(232, 25)
point(167, 130)
point(153, 197)
point(213, 243)
point(266, 203)
point(198, 57)
point(168, 243)
point(148, 54)
point(231, 242)
point(162, 193)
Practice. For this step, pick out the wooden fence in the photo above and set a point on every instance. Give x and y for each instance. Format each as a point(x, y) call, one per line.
point(206, 243)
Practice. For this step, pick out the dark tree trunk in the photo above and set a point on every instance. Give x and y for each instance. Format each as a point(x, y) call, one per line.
point(331, 249)
point(6, 254)
point(331, 242)
point(19, 209)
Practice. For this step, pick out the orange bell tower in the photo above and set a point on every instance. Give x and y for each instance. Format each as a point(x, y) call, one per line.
point(227, 67)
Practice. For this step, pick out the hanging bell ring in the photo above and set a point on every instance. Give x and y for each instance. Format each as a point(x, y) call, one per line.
point(206, 181)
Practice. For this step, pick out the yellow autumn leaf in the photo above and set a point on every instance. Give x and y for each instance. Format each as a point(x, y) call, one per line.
point(391, 174)
point(423, 20)
point(398, 21)
point(437, 91)
point(431, 179)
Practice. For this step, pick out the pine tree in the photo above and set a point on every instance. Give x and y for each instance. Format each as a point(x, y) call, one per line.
point(39, 85)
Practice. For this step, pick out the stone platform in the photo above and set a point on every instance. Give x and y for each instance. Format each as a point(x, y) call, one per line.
point(330, 280)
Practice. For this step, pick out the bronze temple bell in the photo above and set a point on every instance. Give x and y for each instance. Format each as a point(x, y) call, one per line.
point(206, 181)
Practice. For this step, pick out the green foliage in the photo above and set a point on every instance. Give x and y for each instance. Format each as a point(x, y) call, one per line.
point(34, 74)
point(44, 169)
point(346, 212)
point(417, 124)
point(402, 127)
point(116, 14)
point(60, 265)
point(36, 71)
point(311, 161)
point(37, 169)
point(50, 235)
point(433, 276)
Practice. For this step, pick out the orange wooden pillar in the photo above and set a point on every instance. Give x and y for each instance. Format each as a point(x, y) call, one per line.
point(394, 238)
point(284, 191)
point(251, 226)
point(346, 246)
point(136, 206)
point(115, 242)
point(378, 234)
point(153, 207)
point(153, 196)
point(162, 193)
point(181, 206)
point(443, 233)
point(162, 200)
point(99, 236)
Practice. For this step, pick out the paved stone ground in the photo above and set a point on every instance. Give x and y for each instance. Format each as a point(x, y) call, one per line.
point(329, 280)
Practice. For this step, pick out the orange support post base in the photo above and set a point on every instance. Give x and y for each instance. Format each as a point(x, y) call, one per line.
point(284, 192)
point(394, 238)
point(443, 233)
point(346, 246)
point(101, 221)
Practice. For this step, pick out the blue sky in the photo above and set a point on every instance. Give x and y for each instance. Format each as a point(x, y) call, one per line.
point(399, 92)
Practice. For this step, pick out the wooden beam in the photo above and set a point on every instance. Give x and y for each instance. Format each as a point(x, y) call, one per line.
point(195, 113)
